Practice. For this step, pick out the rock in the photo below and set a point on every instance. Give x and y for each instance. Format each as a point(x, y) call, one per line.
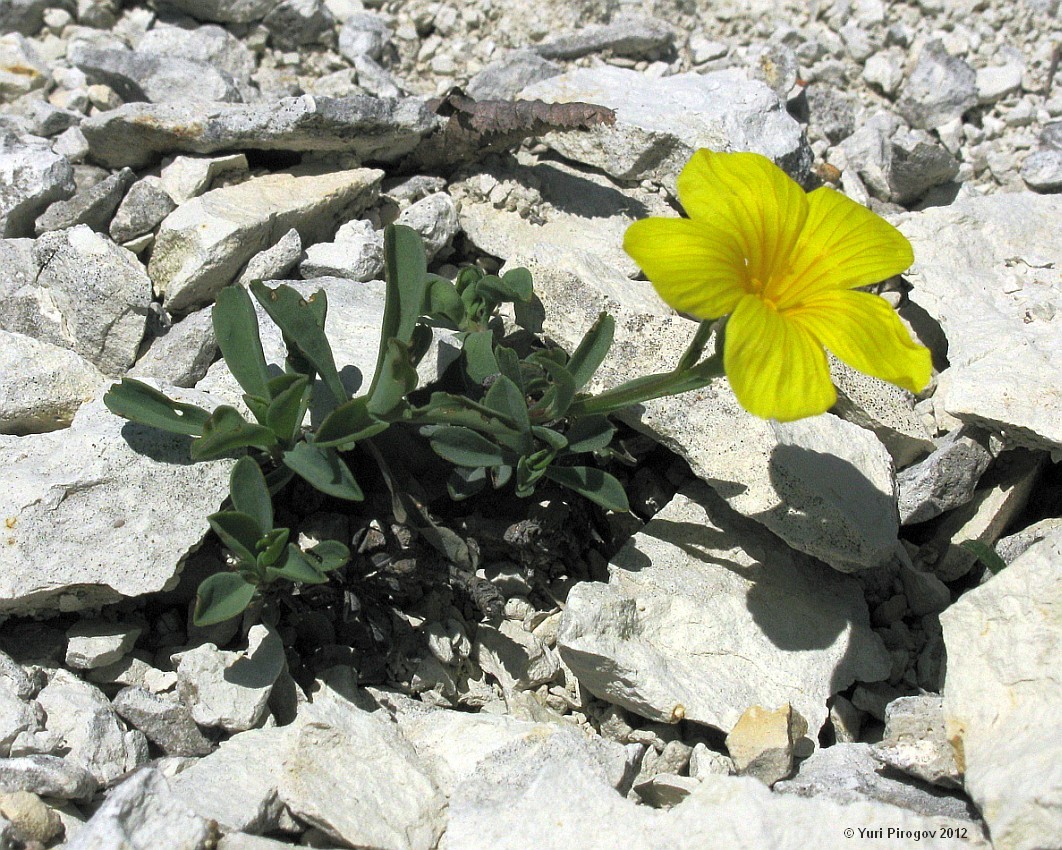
point(132, 671)
point(941, 87)
point(356, 254)
point(32, 819)
point(97, 643)
point(831, 111)
point(145, 205)
point(47, 776)
point(18, 717)
point(783, 475)
point(94, 206)
point(661, 122)
point(885, 71)
point(996, 82)
point(88, 295)
point(34, 178)
point(435, 219)
point(505, 78)
point(24, 16)
point(774, 64)
point(187, 177)
point(15, 681)
point(352, 775)
point(294, 23)
point(915, 741)
point(136, 76)
point(182, 354)
point(203, 244)
point(43, 385)
point(43, 118)
point(946, 479)
point(706, 762)
point(91, 731)
point(675, 635)
point(666, 790)
point(274, 262)
point(164, 720)
point(226, 11)
point(1000, 692)
point(515, 657)
point(848, 773)
point(21, 68)
point(994, 298)
point(761, 742)
point(364, 34)
point(1011, 546)
point(209, 44)
point(142, 812)
point(1042, 170)
point(369, 128)
point(230, 690)
point(236, 785)
point(631, 35)
point(93, 519)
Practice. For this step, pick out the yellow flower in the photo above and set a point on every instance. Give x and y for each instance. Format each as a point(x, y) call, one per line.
point(784, 265)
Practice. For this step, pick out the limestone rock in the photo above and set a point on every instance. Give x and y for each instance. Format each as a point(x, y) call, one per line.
point(941, 87)
point(275, 261)
point(144, 206)
point(182, 354)
point(187, 177)
point(97, 643)
point(21, 68)
point(435, 219)
point(761, 742)
point(204, 243)
point(32, 819)
point(34, 177)
point(163, 719)
point(631, 35)
point(504, 78)
point(209, 44)
point(946, 479)
point(48, 776)
point(356, 253)
point(706, 613)
point(93, 206)
point(226, 11)
point(915, 741)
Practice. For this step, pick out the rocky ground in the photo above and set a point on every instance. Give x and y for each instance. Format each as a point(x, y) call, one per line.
point(783, 645)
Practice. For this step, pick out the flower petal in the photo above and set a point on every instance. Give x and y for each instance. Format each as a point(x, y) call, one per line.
point(864, 331)
point(748, 195)
point(843, 245)
point(776, 369)
point(696, 268)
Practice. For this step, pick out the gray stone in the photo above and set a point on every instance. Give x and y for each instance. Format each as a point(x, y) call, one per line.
point(230, 690)
point(275, 261)
point(16, 680)
point(236, 785)
point(1042, 170)
point(42, 385)
point(143, 814)
point(435, 219)
point(775, 65)
point(181, 355)
point(47, 776)
point(1051, 136)
point(243, 841)
point(1001, 694)
point(18, 717)
point(187, 177)
point(356, 253)
point(202, 245)
point(32, 819)
point(226, 11)
point(661, 122)
point(516, 658)
point(986, 270)
point(21, 68)
point(505, 78)
point(915, 741)
point(163, 719)
point(209, 44)
point(1011, 546)
point(848, 773)
point(94, 206)
point(294, 23)
point(131, 671)
point(97, 643)
point(666, 790)
point(946, 479)
point(92, 732)
point(34, 178)
point(89, 295)
point(370, 128)
point(996, 82)
point(101, 510)
point(632, 35)
point(706, 613)
point(832, 112)
point(363, 34)
point(941, 87)
point(43, 118)
point(145, 205)
point(24, 16)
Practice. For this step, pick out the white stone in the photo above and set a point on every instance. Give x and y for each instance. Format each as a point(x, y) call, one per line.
point(1003, 343)
point(435, 219)
point(21, 67)
point(91, 516)
point(97, 643)
point(1001, 697)
point(17, 716)
point(885, 70)
point(187, 177)
point(915, 741)
point(202, 245)
point(42, 385)
point(995, 83)
point(515, 657)
point(230, 690)
point(946, 479)
point(357, 253)
point(275, 261)
point(181, 355)
point(707, 613)
point(661, 122)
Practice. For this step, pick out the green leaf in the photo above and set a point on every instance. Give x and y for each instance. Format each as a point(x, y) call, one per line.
point(328, 555)
point(558, 398)
point(589, 434)
point(271, 545)
point(509, 366)
point(349, 423)
point(468, 276)
point(250, 495)
point(595, 484)
point(480, 364)
point(518, 281)
point(419, 345)
point(236, 328)
point(443, 300)
point(137, 402)
point(406, 272)
point(259, 407)
point(221, 597)
point(465, 482)
point(985, 554)
point(530, 316)
point(449, 409)
point(295, 567)
point(395, 379)
point(465, 447)
point(505, 398)
point(226, 430)
point(529, 471)
point(297, 318)
point(239, 531)
point(592, 350)
point(554, 440)
point(325, 470)
point(288, 408)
